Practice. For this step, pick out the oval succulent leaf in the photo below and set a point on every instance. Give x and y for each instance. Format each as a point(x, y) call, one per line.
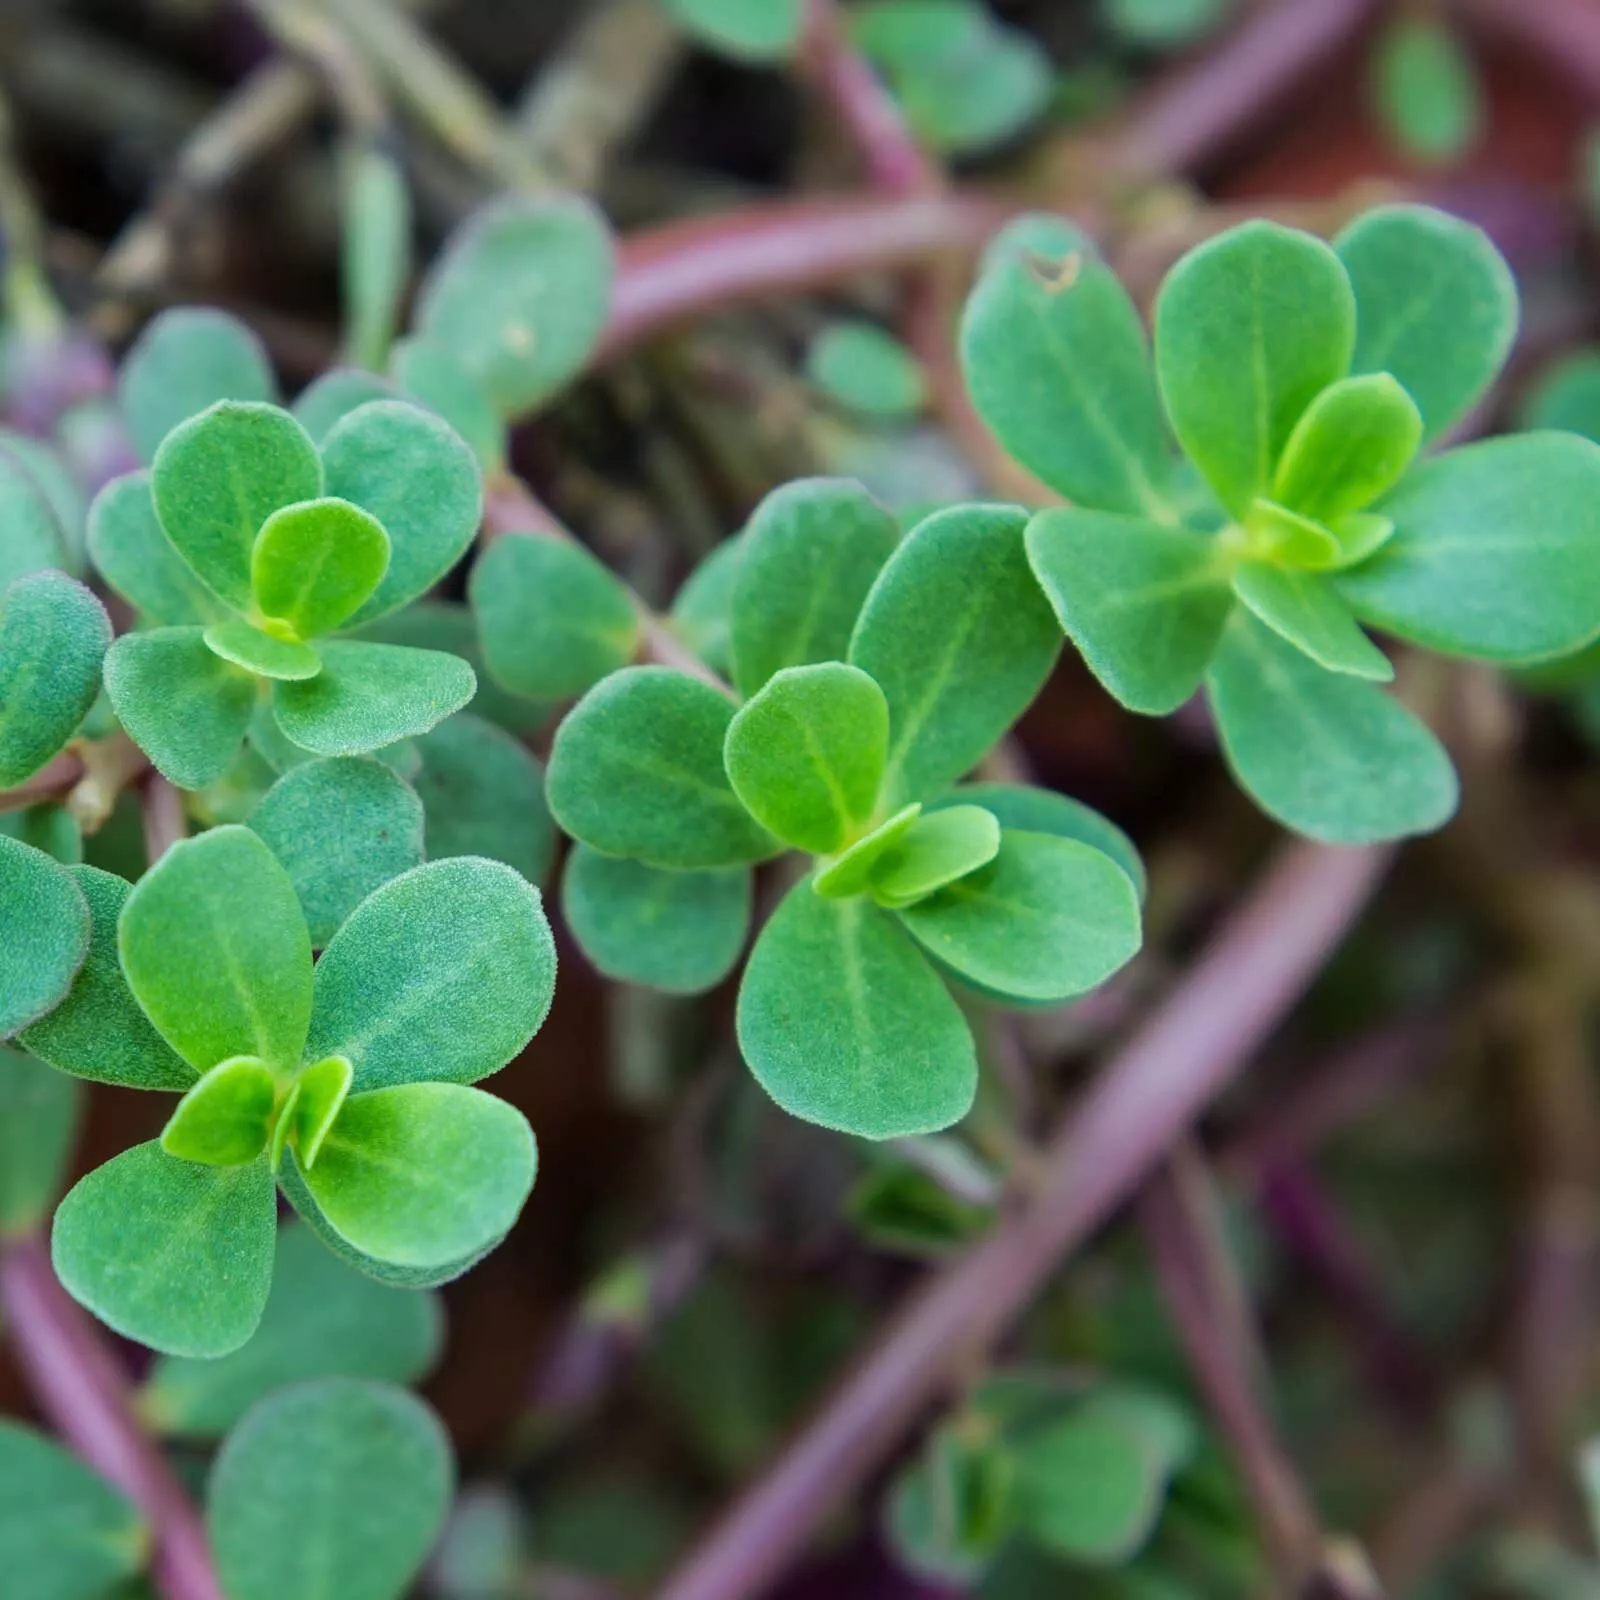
point(850, 871)
point(433, 377)
point(636, 770)
point(1306, 610)
point(39, 1115)
point(329, 399)
point(1250, 327)
point(937, 849)
point(219, 476)
point(320, 1093)
point(133, 554)
point(865, 369)
point(261, 653)
point(225, 1119)
point(806, 755)
point(844, 1023)
point(53, 638)
point(314, 563)
point(34, 538)
point(44, 934)
point(1351, 445)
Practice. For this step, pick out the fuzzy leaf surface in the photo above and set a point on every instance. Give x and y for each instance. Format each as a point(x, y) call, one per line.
point(225, 1119)
point(851, 870)
point(938, 848)
point(132, 553)
point(370, 695)
point(433, 377)
point(314, 563)
point(330, 398)
point(1305, 609)
point(44, 934)
point(260, 653)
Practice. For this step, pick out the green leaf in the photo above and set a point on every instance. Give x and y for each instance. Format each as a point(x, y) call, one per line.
point(376, 254)
point(216, 951)
point(171, 1253)
point(844, 1023)
point(807, 753)
point(1360, 534)
point(899, 1209)
point(851, 870)
point(44, 934)
point(1436, 306)
point(1426, 89)
point(341, 828)
point(701, 611)
point(1087, 1488)
point(1145, 604)
point(960, 640)
point(1047, 919)
point(519, 296)
point(1277, 534)
point(423, 1174)
point(370, 695)
point(1250, 326)
point(433, 377)
point(444, 973)
point(1057, 363)
point(330, 1490)
point(677, 931)
point(58, 482)
point(39, 1115)
point(329, 399)
point(636, 770)
point(970, 100)
point(408, 469)
point(34, 538)
point(807, 559)
point(1328, 755)
point(1495, 553)
point(315, 563)
point(1020, 806)
point(47, 826)
point(1306, 610)
point(1351, 445)
point(133, 554)
point(219, 476)
point(1566, 395)
point(1164, 24)
point(185, 360)
point(260, 653)
point(321, 1320)
point(937, 849)
point(747, 30)
point(225, 1119)
point(864, 368)
point(553, 620)
point(64, 1533)
point(53, 637)
point(99, 1031)
point(484, 796)
point(183, 705)
point(320, 1093)
point(950, 1512)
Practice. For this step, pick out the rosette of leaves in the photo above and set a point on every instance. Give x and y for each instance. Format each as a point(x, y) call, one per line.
point(871, 675)
point(251, 551)
point(1308, 386)
point(348, 1085)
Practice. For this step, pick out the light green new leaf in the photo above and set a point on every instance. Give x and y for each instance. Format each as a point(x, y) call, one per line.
point(747, 30)
point(322, 1320)
point(844, 1023)
point(182, 704)
point(519, 296)
point(65, 1534)
point(370, 695)
point(53, 637)
point(225, 1119)
point(1495, 552)
point(1057, 363)
point(1048, 918)
point(553, 620)
point(171, 1253)
point(1350, 446)
point(937, 849)
point(483, 793)
point(260, 653)
point(331, 1490)
point(34, 538)
point(319, 1096)
point(1032, 810)
point(636, 770)
point(332, 397)
point(433, 377)
point(341, 828)
point(1427, 89)
point(1277, 534)
point(219, 476)
point(851, 870)
point(444, 973)
point(185, 360)
point(44, 934)
point(807, 559)
point(313, 564)
point(1144, 603)
point(1305, 609)
point(39, 1115)
point(99, 1031)
point(216, 952)
point(1250, 327)
point(677, 931)
point(864, 368)
point(1328, 755)
point(407, 468)
point(132, 553)
point(1436, 306)
point(960, 640)
point(423, 1174)
point(806, 755)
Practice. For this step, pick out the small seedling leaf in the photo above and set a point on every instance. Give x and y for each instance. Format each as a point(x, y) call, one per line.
point(1351, 445)
point(315, 563)
point(938, 848)
point(225, 1119)
point(1305, 609)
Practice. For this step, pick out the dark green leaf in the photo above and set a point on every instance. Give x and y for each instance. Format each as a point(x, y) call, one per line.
point(44, 934)
point(369, 695)
point(49, 827)
point(53, 637)
point(937, 849)
point(1305, 609)
point(315, 563)
point(39, 1115)
point(950, 1511)
point(138, 560)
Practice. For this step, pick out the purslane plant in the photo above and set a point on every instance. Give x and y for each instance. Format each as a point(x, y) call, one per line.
point(1304, 383)
point(872, 674)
